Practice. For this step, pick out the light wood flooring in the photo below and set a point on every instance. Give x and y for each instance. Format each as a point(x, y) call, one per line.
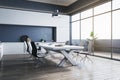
point(22, 67)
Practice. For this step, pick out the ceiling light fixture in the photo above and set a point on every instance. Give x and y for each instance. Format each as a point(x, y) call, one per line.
point(55, 13)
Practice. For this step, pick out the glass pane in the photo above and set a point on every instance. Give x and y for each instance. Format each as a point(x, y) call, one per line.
point(86, 13)
point(76, 17)
point(116, 34)
point(116, 4)
point(102, 26)
point(116, 24)
point(102, 29)
point(102, 8)
point(76, 30)
point(86, 28)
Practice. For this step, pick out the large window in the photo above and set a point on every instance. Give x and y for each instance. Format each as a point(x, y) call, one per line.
point(103, 20)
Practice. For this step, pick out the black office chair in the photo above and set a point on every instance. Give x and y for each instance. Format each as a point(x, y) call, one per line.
point(34, 52)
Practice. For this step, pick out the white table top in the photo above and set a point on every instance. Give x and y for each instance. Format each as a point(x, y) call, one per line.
point(62, 47)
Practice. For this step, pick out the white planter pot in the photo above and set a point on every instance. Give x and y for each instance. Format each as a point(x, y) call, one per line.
point(91, 46)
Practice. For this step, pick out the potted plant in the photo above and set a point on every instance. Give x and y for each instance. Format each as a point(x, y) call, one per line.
point(92, 36)
point(91, 42)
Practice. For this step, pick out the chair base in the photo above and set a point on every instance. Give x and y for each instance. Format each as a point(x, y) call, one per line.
point(85, 57)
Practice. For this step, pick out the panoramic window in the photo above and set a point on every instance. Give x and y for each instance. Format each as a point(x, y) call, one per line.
point(105, 25)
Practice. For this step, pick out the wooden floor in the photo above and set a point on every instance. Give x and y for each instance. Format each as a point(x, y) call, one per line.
point(21, 67)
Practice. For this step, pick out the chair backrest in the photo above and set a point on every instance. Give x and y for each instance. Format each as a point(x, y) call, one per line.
point(85, 44)
point(34, 49)
point(67, 43)
point(31, 48)
point(28, 47)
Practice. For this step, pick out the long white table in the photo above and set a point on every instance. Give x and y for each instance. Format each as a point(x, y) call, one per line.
point(63, 49)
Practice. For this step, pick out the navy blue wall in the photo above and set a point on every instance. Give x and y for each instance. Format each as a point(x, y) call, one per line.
point(12, 33)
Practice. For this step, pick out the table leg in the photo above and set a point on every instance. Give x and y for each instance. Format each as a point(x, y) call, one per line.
point(66, 57)
point(62, 62)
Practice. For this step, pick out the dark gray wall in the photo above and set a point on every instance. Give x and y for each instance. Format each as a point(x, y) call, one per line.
point(12, 33)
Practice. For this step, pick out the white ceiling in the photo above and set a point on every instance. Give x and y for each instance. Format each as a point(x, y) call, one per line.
point(56, 2)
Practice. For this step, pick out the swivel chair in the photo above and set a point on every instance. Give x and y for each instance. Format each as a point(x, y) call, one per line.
point(84, 52)
point(37, 55)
